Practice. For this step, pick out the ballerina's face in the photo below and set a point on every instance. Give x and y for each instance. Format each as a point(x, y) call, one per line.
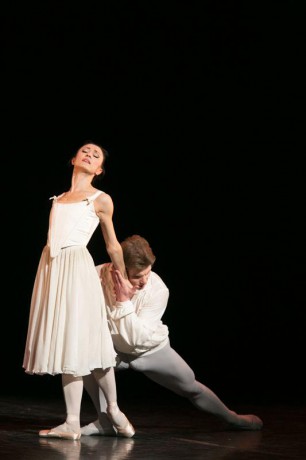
point(89, 157)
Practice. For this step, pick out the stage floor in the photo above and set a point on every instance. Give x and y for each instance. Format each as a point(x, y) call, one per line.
point(168, 429)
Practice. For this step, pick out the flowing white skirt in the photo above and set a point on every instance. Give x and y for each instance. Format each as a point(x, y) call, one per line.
point(68, 330)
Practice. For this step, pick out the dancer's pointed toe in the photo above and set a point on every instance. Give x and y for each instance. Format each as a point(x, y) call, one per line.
point(119, 421)
point(247, 423)
point(63, 431)
point(128, 431)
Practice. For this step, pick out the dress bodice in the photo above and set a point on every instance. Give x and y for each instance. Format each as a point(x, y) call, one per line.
point(71, 224)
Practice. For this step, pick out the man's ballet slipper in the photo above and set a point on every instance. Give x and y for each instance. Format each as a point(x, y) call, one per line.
point(63, 431)
point(247, 423)
point(95, 429)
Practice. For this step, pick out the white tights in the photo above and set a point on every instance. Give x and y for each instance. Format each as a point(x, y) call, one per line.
point(103, 382)
point(167, 368)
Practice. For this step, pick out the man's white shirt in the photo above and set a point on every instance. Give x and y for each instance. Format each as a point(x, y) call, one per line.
point(136, 324)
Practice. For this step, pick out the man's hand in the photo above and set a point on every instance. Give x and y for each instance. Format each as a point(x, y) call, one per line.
point(123, 289)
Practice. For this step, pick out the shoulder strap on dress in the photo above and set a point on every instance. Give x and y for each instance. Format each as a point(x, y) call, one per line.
point(55, 197)
point(94, 196)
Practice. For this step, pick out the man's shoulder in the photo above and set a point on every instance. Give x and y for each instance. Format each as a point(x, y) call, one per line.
point(157, 281)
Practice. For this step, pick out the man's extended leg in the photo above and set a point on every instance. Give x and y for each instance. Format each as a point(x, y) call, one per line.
point(167, 368)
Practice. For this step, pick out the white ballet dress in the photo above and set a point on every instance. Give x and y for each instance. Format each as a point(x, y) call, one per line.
point(68, 330)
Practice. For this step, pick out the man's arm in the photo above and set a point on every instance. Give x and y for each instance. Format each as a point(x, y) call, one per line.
point(137, 322)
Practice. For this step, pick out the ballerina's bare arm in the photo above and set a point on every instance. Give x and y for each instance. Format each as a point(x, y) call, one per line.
point(105, 208)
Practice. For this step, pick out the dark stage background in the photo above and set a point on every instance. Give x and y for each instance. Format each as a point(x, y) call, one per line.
point(200, 105)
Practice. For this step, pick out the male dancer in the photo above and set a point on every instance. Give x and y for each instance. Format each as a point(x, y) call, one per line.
point(142, 341)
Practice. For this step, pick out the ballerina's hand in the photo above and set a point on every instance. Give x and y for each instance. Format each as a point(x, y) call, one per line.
point(124, 290)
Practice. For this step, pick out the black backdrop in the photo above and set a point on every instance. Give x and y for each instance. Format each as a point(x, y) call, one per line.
point(199, 105)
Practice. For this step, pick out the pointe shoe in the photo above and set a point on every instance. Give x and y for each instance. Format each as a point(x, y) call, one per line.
point(95, 429)
point(247, 423)
point(127, 431)
point(124, 428)
point(63, 431)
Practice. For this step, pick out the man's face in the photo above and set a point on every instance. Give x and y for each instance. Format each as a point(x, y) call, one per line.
point(139, 278)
